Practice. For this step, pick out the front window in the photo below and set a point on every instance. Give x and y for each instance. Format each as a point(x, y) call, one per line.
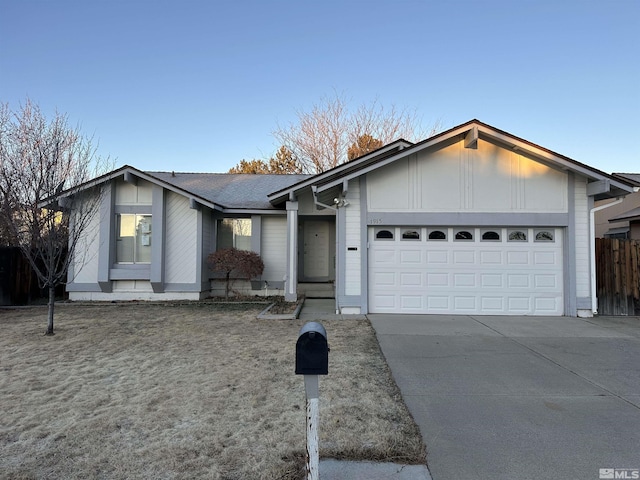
point(133, 238)
point(234, 232)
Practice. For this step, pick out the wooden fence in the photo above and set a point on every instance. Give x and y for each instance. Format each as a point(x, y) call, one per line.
point(18, 283)
point(618, 276)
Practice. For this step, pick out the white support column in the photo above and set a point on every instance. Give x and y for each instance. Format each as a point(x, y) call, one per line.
point(291, 279)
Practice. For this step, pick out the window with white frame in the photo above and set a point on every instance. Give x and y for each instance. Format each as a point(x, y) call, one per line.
point(234, 232)
point(133, 238)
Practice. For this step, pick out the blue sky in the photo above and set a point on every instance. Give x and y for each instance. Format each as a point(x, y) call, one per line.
point(195, 85)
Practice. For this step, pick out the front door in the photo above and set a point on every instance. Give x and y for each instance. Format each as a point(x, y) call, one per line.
point(316, 250)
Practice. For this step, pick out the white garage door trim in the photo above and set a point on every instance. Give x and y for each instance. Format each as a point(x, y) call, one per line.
point(498, 271)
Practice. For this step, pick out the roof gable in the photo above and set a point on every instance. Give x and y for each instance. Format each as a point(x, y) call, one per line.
point(218, 191)
point(244, 192)
point(469, 132)
point(630, 215)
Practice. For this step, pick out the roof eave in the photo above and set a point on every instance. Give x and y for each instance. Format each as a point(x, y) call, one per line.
point(470, 132)
point(140, 174)
point(285, 193)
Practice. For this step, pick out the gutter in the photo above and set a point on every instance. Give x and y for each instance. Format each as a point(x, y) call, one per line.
point(592, 241)
point(314, 190)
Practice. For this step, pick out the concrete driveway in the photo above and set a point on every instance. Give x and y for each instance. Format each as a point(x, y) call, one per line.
point(520, 397)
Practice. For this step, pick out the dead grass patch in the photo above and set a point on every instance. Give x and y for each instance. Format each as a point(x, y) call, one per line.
point(188, 391)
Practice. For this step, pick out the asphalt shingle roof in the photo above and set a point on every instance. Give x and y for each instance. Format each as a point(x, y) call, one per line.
point(230, 190)
point(634, 177)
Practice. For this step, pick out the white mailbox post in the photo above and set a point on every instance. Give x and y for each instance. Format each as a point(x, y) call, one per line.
point(312, 359)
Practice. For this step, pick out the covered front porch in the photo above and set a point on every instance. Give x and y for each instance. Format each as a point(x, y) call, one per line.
point(313, 273)
point(311, 250)
point(324, 290)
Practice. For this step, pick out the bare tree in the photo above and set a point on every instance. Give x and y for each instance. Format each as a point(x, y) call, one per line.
point(322, 136)
point(41, 165)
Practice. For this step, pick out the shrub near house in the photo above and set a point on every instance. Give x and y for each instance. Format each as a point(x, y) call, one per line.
point(240, 263)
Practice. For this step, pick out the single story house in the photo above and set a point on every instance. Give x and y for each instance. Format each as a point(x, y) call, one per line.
point(473, 220)
point(621, 218)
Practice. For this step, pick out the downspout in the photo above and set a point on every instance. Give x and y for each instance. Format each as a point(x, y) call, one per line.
point(592, 241)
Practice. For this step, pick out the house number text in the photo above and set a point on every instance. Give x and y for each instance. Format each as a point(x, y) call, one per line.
point(375, 221)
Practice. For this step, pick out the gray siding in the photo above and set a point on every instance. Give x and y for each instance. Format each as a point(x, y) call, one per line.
point(353, 252)
point(274, 248)
point(181, 240)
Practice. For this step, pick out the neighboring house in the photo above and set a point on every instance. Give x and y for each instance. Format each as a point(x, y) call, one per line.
point(473, 220)
point(621, 220)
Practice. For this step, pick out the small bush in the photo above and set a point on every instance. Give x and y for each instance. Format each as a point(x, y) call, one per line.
point(240, 263)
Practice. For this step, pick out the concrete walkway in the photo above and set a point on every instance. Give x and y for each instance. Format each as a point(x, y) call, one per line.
point(519, 397)
point(317, 309)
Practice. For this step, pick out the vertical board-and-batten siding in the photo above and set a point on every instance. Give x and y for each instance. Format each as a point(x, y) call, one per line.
point(582, 235)
point(274, 248)
point(489, 179)
point(353, 254)
point(181, 240)
point(84, 268)
point(128, 194)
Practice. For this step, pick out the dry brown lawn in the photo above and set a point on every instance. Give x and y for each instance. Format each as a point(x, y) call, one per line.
point(191, 391)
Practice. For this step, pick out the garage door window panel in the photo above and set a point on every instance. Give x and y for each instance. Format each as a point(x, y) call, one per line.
point(517, 236)
point(411, 234)
point(463, 235)
point(490, 236)
point(544, 236)
point(384, 234)
point(437, 235)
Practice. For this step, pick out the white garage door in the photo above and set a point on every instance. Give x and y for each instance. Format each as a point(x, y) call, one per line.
point(486, 271)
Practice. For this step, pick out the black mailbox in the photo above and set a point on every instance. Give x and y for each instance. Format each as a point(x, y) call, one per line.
point(312, 350)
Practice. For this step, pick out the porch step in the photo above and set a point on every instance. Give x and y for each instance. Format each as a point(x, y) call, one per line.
point(316, 290)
